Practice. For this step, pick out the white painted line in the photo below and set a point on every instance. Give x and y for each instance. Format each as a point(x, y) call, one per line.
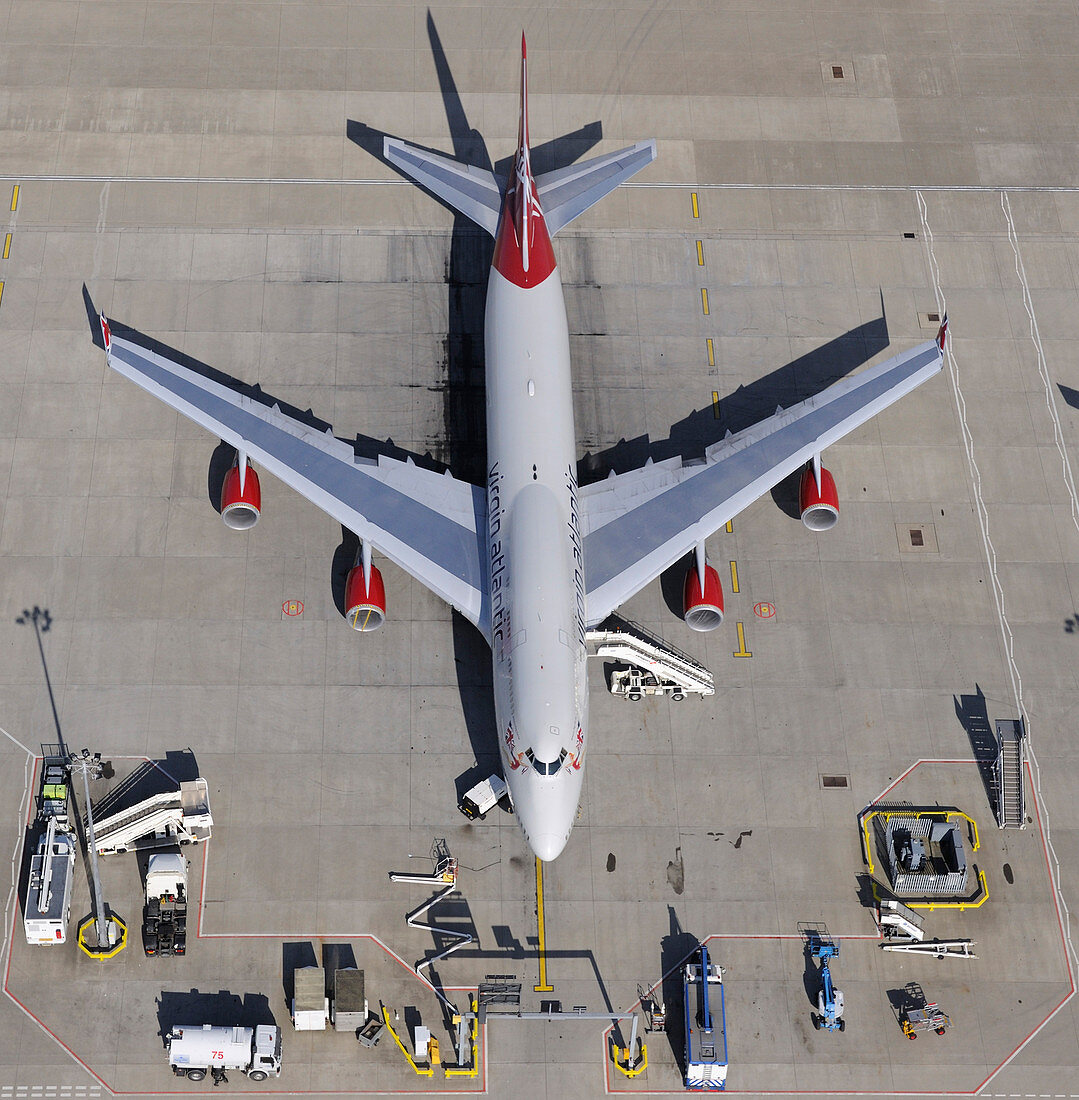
point(16, 855)
point(1043, 369)
point(327, 181)
point(1006, 633)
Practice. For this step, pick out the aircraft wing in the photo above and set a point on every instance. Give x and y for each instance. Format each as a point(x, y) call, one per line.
point(637, 524)
point(568, 192)
point(431, 525)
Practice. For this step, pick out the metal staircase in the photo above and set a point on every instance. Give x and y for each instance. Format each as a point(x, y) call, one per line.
point(1011, 755)
point(175, 817)
point(630, 642)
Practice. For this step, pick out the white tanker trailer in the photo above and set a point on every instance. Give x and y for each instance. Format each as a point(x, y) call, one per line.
point(198, 1049)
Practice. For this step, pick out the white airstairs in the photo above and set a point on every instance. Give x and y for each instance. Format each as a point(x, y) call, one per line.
point(1011, 755)
point(174, 817)
point(656, 667)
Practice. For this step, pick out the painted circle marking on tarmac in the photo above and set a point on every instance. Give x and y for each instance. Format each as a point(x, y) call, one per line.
point(292, 607)
point(764, 610)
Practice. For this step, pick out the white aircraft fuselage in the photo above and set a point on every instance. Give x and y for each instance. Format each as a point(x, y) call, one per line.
point(536, 578)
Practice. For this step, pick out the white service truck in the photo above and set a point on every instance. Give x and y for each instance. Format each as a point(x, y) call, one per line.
point(164, 918)
point(48, 895)
point(198, 1049)
point(484, 796)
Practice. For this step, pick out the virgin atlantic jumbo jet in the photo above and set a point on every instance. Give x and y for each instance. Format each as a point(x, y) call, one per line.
point(531, 559)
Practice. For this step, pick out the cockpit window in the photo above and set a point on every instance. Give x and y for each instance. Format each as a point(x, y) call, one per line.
point(546, 767)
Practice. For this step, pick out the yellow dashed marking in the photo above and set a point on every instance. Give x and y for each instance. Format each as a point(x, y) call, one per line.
point(7, 246)
point(700, 253)
point(693, 198)
point(711, 352)
point(734, 578)
point(715, 403)
point(730, 526)
point(742, 651)
point(704, 300)
point(1, 291)
point(14, 196)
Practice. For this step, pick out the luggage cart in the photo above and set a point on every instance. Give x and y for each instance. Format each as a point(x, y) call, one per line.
point(928, 1018)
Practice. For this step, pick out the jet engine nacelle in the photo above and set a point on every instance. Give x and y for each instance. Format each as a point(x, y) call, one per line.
point(241, 508)
point(818, 504)
point(365, 605)
point(703, 611)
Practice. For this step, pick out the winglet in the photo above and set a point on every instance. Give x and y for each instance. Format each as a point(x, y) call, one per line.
point(942, 333)
point(106, 334)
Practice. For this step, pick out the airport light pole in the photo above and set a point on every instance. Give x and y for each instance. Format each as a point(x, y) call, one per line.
point(90, 766)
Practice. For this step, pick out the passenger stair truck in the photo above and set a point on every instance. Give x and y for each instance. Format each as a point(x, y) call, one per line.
point(655, 666)
point(198, 1049)
point(164, 820)
point(706, 1023)
point(48, 896)
point(164, 919)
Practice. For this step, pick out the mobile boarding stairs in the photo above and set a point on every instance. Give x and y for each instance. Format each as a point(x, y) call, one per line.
point(173, 817)
point(655, 666)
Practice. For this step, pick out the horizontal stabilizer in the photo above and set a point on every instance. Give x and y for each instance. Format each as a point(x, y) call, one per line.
point(471, 191)
point(567, 193)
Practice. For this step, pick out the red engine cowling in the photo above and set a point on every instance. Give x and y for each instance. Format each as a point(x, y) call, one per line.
point(818, 504)
point(703, 611)
point(241, 510)
point(365, 607)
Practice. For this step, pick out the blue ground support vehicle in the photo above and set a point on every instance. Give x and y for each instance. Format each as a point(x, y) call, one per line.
point(829, 1014)
point(706, 1023)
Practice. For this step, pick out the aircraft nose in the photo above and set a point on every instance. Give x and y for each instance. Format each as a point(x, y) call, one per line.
point(548, 846)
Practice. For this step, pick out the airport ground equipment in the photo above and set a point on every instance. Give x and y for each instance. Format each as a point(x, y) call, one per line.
point(656, 667)
point(197, 1049)
point(483, 797)
point(706, 1023)
point(52, 800)
point(348, 1007)
point(369, 1035)
point(445, 878)
point(48, 895)
point(1008, 773)
point(938, 949)
point(928, 1018)
point(896, 919)
point(829, 1014)
point(632, 1059)
point(164, 917)
point(310, 1005)
point(163, 820)
point(110, 931)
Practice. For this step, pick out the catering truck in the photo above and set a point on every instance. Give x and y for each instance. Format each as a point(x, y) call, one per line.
point(164, 919)
point(198, 1049)
point(48, 895)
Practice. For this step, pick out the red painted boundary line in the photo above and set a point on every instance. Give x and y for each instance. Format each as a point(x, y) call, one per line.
point(481, 1091)
point(870, 1092)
